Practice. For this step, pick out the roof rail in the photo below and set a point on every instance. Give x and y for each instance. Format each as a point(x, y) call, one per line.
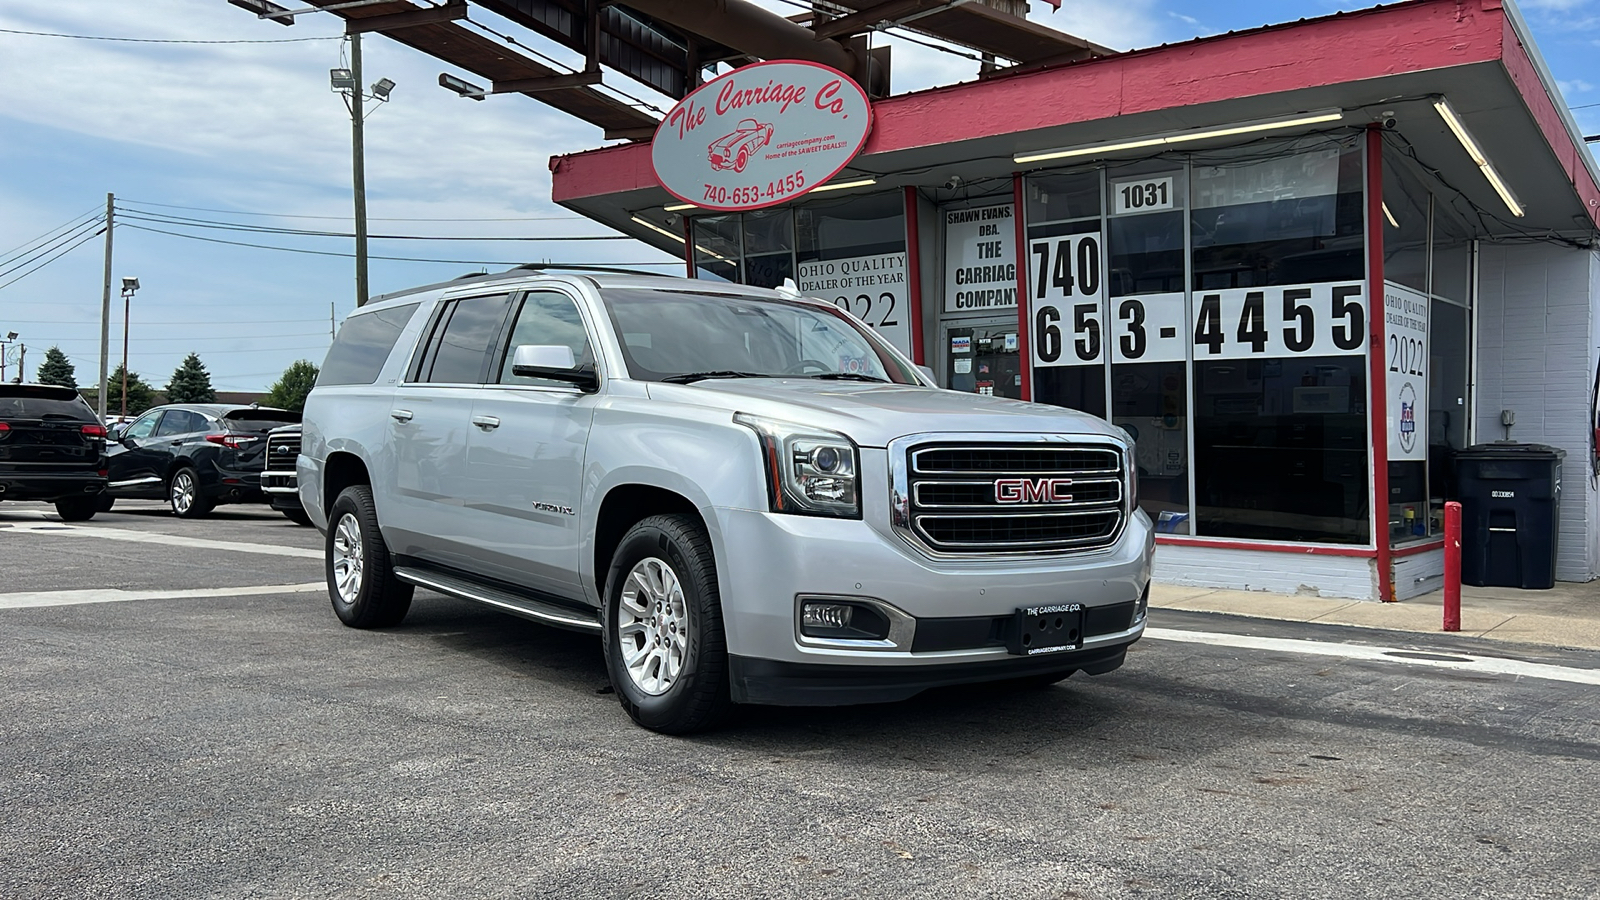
point(565, 267)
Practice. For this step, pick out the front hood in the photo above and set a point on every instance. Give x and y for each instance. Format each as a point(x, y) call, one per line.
point(875, 414)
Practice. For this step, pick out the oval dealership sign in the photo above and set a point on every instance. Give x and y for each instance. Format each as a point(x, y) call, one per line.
point(761, 135)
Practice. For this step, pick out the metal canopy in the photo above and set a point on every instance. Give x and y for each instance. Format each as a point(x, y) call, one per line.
point(669, 44)
point(455, 44)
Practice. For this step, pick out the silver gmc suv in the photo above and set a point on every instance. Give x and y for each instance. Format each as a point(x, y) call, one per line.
point(749, 495)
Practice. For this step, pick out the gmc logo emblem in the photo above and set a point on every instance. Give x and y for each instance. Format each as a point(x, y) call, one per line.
point(1032, 490)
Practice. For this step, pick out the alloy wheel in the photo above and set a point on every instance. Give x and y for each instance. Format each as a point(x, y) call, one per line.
point(653, 626)
point(348, 564)
point(182, 492)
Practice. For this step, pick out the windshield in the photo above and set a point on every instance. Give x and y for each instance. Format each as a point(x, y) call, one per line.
point(667, 335)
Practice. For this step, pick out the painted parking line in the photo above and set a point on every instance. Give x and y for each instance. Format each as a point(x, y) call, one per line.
point(1459, 662)
point(172, 540)
point(28, 599)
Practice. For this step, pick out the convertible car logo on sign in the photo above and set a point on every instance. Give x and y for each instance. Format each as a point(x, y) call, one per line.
point(1032, 490)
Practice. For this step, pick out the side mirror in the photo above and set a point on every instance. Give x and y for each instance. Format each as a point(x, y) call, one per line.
point(555, 362)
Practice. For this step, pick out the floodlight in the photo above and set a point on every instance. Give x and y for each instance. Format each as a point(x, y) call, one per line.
point(129, 285)
point(381, 88)
point(464, 88)
point(11, 335)
point(341, 79)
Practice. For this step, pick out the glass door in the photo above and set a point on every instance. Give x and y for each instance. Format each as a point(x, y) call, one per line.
point(981, 357)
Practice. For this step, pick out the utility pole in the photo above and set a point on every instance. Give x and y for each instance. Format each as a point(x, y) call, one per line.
point(331, 333)
point(358, 111)
point(22, 363)
point(105, 310)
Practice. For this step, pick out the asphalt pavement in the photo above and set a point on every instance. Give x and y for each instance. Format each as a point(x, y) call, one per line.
point(182, 716)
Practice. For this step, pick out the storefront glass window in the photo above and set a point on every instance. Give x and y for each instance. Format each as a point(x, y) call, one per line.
point(1407, 214)
point(1448, 337)
point(768, 247)
point(1067, 288)
point(1147, 333)
point(717, 247)
point(1279, 324)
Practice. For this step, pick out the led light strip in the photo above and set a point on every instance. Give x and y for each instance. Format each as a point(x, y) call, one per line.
point(830, 186)
point(1459, 129)
point(677, 237)
point(1183, 137)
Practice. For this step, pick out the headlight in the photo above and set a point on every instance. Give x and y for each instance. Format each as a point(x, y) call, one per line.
point(810, 471)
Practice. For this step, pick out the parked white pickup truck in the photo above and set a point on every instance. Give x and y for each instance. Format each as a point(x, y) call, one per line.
point(750, 495)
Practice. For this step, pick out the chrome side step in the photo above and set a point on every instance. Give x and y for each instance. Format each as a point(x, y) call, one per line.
point(538, 611)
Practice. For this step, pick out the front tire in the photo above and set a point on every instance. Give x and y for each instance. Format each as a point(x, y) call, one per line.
point(184, 494)
point(77, 509)
point(665, 648)
point(361, 581)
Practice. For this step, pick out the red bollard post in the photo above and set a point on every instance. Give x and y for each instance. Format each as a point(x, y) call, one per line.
point(1452, 566)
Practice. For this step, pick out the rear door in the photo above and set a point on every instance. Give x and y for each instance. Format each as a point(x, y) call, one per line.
point(525, 456)
point(429, 421)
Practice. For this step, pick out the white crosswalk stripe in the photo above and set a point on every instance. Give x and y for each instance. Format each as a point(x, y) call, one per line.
point(27, 599)
point(145, 537)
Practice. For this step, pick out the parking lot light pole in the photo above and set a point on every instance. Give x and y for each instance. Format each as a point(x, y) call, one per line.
point(5, 347)
point(129, 286)
point(347, 83)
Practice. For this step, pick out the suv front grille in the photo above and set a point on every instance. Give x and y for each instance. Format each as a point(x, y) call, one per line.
point(1014, 498)
point(279, 470)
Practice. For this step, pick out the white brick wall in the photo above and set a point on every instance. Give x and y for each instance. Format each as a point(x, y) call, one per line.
point(1537, 339)
point(1308, 574)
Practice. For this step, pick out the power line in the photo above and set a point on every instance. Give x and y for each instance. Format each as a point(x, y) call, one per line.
point(92, 37)
point(186, 222)
point(462, 262)
point(52, 231)
point(237, 212)
point(49, 244)
point(87, 238)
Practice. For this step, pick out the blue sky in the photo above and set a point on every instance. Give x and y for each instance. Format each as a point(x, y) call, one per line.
point(252, 129)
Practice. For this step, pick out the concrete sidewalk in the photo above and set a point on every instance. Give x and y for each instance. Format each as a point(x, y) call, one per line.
point(1567, 615)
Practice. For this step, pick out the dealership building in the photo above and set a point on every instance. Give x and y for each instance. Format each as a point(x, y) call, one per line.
point(1302, 265)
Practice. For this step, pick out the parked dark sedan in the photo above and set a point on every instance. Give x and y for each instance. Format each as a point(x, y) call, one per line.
point(52, 448)
point(193, 455)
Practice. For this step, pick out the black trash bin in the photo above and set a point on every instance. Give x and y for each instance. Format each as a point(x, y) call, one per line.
point(1510, 513)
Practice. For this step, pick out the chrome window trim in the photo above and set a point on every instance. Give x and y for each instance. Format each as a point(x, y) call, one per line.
point(899, 461)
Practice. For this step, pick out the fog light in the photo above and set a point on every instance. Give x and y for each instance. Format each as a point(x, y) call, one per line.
point(825, 615)
point(1142, 608)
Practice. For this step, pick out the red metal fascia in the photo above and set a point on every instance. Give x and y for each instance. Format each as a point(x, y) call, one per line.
point(1377, 377)
point(1344, 48)
point(1519, 66)
point(1301, 549)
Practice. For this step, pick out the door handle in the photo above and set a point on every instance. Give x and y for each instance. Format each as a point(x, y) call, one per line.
point(400, 415)
point(486, 422)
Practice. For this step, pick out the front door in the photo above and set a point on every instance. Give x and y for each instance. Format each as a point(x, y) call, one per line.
point(982, 357)
point(525, 457)
point(131, 460)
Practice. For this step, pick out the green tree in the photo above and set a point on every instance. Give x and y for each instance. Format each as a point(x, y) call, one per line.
point(191, 383)
point(141, 396)
point(57, 369)
point(290, 390)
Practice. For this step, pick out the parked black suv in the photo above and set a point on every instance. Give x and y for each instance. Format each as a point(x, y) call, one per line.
point(193, 455)
point(52, 448)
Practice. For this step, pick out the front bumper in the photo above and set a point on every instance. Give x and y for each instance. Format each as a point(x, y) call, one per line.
point(49, 486)
point(769, 560)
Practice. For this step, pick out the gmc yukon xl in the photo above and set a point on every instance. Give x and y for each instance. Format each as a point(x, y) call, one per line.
point(749, 495)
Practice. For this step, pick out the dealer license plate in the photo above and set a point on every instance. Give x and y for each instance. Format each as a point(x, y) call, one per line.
point(1039, 630)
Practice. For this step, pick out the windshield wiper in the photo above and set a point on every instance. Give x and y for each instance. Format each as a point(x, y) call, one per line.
point(691, 377)
point(850, 376)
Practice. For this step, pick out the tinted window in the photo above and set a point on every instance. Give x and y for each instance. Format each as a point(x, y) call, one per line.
point(17, 402)
point(180, 421)
point(259, 420)
point(363, 344)
point(547, 318)
point(462, 340)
